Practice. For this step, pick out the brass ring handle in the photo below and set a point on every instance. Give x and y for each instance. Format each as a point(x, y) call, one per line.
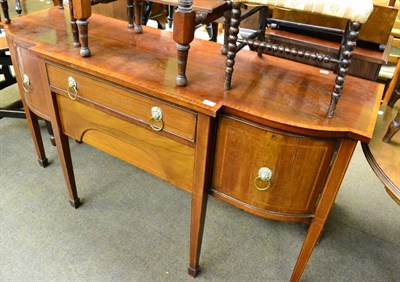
point(72, 88)
point(265, 175)
point(156, 117)
point(26, 83)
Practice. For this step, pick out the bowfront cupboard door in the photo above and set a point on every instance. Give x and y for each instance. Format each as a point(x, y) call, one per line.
point(271, 173)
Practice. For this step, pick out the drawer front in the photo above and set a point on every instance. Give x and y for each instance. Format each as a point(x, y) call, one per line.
point(33, 90)
point(124, 102)
point(164, 157)
point(299, 167)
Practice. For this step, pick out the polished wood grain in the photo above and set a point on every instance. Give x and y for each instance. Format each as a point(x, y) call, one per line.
point(384, 158)
point(298, 164)
point(133, 105)
point(271, 96)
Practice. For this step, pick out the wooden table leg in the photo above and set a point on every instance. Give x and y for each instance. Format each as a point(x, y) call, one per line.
point(34, 128)
point(332, 185)
point(184, 27)
point(201, 183)
point(64, 154)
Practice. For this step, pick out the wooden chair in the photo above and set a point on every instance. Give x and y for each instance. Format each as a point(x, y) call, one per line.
point(356, 12)
point(79, 23)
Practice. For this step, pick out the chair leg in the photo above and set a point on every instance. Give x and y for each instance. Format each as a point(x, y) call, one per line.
point(184, 27)
point(83, 37)
point(232, 47)
point(262, 23)
point(138, 16)
point(4, 7)
point(129, 7)
point(74, 27)
point(212, 31)
point(393, 128)
point(60, 5)
point(395, 97)
point(170, 17)
point(18, 7)
point(147, 6)
point(227, 24)
point(352, 31)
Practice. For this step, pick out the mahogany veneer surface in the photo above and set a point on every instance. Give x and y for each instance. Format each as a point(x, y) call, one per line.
point(271, 89)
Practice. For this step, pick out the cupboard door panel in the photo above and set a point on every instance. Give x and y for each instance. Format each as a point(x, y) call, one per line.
point(299, 166)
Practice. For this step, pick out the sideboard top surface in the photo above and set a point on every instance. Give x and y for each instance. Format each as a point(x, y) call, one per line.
point(269, 90)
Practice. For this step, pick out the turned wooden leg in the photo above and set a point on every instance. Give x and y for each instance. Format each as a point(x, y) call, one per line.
point(393, 128)
point(232, 47)
point(262, 23)
point(227, 24)
point(60, 5)
point(64, 154)
point(212, 31)
point(201, 183)
point(347, 50)
point(394, 98)
point(83, 37)
point(170, 17)
point(129, 7)
point(18, 7)
point(184, 27)
point(74, 27)
point(138, 16)
point(4, 8)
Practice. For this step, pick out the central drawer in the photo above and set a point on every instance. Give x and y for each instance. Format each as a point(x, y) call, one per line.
point(164, 157)
point(123, 102)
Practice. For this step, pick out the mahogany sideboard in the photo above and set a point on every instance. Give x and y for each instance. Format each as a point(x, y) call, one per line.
point(269, 132)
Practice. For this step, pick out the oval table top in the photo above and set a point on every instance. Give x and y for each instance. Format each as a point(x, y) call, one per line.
point(384, 158)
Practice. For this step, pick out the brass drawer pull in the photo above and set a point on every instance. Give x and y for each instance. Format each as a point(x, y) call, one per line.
point(72, 89)
point(26, 83)
point(156, 120)
point(264, 175)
